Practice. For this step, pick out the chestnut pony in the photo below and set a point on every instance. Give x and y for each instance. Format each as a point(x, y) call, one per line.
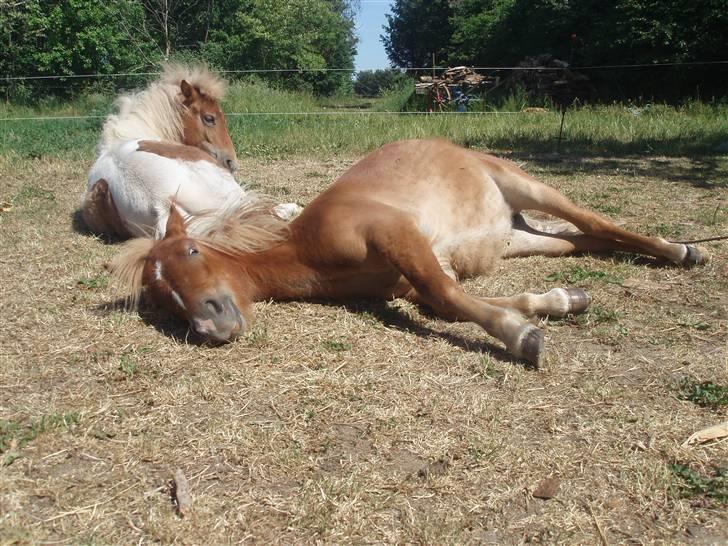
point(406, 221)
point(167, 141)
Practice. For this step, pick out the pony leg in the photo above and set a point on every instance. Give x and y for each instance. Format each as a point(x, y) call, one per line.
point(553, 238)
point(400, 242)
point(557, 302)
point(99, 211)
point(521, 192)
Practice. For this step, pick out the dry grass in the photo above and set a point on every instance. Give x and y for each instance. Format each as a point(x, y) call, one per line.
point(366, 422)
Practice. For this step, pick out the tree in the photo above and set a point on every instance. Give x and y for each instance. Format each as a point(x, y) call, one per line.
point(581, 32)
point(371, 83)
point(416, 30)
point(593, 32)
point(68, 37)
point(298, 34)
point(71, 37)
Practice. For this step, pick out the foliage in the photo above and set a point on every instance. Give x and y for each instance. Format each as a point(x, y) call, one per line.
point(416, 30)
point(667, 130)
point(581, 32)
point(372, 83)
point(73, 37)
point(692, 483)
point(69, 37)
point(706, 394)
point(265, 34)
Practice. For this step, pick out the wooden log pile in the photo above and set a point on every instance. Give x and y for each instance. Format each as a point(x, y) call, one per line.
point(459, 76)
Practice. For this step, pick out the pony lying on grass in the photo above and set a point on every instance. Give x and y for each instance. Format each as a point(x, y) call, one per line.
point(405, 221)
point(169, 141)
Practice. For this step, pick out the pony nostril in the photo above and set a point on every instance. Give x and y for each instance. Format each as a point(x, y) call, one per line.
point(232, 165)
point(214, 306)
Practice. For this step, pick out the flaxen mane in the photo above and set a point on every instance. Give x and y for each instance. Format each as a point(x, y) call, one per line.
point(248, 227)
point(155, 113)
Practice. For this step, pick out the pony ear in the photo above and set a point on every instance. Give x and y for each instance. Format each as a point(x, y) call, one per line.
point(187, 90)
point(175, 224)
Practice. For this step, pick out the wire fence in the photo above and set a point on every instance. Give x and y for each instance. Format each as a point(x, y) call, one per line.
point(354, 70)
point(11, 80)
point(293, 114)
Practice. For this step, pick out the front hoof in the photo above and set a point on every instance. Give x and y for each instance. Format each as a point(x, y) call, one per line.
point(694, 256)
point(579, 300)
point(530, 345)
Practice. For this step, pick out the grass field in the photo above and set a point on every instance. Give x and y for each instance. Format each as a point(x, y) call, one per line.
point(372, 422)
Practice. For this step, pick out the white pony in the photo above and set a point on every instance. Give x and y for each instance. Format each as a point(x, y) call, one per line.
point(167, 143)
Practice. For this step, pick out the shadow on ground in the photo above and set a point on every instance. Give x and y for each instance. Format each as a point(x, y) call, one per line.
point(707, 172)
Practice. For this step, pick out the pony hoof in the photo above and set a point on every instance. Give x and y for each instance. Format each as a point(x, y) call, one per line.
point(579, 300)
point(530, 345)
point(694, 256)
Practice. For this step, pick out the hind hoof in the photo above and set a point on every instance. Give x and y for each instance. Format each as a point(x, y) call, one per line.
point(579, 300)
point(694, 256)
point(530, 345)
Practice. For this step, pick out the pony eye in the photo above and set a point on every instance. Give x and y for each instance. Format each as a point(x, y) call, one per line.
point(192, 251)
point(208, 119)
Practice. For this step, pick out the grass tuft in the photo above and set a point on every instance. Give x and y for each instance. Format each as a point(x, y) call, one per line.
point(693, 484)
point(706, 394)
point(14, 435)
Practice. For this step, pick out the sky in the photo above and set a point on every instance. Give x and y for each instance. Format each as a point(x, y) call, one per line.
point(371, 19)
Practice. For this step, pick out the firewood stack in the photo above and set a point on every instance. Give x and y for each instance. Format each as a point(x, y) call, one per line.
point(459, 76)
point(554, 80)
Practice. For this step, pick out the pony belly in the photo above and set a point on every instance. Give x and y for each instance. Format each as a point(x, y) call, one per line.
point(477, 251)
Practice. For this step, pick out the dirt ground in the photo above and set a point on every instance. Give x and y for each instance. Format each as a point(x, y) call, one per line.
point(364, 422)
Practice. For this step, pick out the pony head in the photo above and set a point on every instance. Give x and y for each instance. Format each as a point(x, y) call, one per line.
point(203, 122)
point(182, 106)
point(201, 279)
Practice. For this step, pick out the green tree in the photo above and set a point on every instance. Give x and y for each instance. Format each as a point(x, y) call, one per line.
point(416, 30)
point(299, 34)
point(371, 83)
point(581, 32)
point(69, 37)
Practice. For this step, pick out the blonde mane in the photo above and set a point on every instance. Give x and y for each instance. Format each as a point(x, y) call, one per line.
point(156, 112)
point(245, 228)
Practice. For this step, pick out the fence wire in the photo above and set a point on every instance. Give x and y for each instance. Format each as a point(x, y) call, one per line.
point(354, 70)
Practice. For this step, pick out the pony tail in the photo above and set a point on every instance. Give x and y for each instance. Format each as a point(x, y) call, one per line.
point(126, 270)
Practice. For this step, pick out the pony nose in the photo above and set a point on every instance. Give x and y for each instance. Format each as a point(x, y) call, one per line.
point(232, 165)
point(214, 306)
point(218, 318)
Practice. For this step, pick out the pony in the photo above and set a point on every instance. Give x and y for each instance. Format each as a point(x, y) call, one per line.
point(167, 141)
point(406, 221)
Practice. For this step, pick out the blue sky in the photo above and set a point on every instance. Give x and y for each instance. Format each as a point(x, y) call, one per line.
point(371, 18)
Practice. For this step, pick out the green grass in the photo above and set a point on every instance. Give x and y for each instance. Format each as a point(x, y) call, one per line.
point(706, 394)
point(348, 124)
point(336, 346)
point(692, 484)
point(14, 435)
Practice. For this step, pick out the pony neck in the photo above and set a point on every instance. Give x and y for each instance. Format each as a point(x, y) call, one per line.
point(277, 273)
